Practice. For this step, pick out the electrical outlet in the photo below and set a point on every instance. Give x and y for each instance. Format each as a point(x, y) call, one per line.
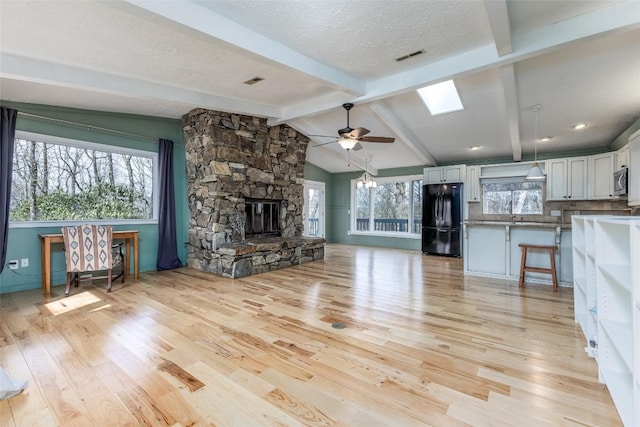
point(24, 262)
point(13, 264)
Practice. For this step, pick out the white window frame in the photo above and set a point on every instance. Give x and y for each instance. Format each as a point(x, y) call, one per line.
point(51, 139)
point(352, 214)
point(510, 180)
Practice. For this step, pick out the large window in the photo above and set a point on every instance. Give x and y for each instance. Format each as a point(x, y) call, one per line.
point(57, 179)
point(512, 198)
point(392, 207)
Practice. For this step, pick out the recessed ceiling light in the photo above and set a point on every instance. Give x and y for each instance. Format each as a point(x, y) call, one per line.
point(254, 80)
point(545, 138)
point(579, 126)
point(441, 98)
point(474, 147)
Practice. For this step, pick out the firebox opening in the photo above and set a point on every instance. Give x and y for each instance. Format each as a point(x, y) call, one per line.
point(263, 218)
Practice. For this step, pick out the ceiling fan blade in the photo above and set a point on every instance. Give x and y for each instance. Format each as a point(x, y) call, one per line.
point(324, 143)
point(322, 136)
point(358, 133)
point(376, 139)
point(357, 147)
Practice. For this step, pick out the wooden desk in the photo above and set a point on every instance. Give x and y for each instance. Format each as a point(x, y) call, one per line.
point(46, 240)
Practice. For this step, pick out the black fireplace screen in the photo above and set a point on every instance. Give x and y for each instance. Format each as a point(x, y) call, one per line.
point(262, 218)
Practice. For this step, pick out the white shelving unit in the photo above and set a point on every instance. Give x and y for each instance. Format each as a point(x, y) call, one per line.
point(635, 284)
point(579, 275)
point(606, 266)
point(584, 279)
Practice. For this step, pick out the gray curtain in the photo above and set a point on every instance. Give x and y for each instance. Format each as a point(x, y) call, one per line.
point(167, 241)
point(7, 135)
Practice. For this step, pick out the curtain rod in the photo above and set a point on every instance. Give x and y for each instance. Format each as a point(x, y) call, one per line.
point(88, 127)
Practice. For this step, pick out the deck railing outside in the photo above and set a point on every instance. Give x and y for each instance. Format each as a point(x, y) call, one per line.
point(397, 225)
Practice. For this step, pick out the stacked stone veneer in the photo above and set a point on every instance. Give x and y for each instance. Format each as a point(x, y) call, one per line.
point(231, 158)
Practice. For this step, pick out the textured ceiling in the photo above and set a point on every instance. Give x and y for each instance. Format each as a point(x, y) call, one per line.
point(580, 60)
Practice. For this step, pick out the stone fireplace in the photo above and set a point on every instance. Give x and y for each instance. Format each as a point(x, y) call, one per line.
point(245, 191)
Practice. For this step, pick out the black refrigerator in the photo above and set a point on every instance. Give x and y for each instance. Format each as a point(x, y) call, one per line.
point(442, 219)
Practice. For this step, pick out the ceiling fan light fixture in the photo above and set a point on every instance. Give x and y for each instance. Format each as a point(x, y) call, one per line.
point(347, 143)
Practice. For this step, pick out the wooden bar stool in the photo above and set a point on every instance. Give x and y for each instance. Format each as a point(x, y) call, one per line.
point(552, 256)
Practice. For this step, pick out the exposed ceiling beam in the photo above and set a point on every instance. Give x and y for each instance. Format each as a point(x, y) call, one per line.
point(619, 17)
point(403, 133)
point(191, 16)
point(508, 77)
point(34, 70)
point(500, 27)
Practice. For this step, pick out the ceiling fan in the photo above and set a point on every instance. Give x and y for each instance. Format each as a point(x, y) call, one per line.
point(350, 138)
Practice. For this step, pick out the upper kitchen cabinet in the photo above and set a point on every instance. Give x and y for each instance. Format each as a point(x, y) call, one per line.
point(633, 185)
point(472, 184)
point(443, 174)
point(567, 178)
point(622, 157)
point(600, 172)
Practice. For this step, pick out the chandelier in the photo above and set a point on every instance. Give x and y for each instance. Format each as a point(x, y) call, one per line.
point(366, 180)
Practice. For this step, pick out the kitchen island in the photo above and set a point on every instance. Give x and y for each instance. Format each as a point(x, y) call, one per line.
point(491, 249)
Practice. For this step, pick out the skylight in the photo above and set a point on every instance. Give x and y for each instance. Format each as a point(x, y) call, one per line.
point(441, 98)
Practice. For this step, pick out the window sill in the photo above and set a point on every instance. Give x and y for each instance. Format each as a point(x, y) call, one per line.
point(386, 234)
point(39, 224)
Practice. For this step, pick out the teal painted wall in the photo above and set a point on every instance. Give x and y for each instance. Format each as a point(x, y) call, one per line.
point(24, 242)
point(623, 139)
point(340, 204)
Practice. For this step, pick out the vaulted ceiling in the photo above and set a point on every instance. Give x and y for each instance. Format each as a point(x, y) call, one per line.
point(578, 60)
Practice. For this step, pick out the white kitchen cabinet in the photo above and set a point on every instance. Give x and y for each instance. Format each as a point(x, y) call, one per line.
point(567, 178)
point(600, 173)
point(485, 250)
point(604, 249)
point(444, 174)
point(634, 170)
point(622, 157)
point(472, 184)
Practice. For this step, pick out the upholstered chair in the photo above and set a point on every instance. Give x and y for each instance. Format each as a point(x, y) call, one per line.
point(90, 248)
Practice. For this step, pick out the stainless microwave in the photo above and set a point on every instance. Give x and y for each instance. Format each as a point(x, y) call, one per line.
point(620, 182)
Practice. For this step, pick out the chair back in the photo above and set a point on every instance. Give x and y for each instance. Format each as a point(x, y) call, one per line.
point(88, 247)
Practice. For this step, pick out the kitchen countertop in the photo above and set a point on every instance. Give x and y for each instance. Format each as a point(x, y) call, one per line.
point(530, 224)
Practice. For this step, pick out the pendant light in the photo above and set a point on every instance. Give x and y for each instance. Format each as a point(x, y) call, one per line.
point(535, 173)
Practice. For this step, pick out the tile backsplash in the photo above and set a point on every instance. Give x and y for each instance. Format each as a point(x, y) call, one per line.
point(566, 208)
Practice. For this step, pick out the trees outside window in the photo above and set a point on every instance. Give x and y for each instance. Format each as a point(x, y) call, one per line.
point(59, 181)
point(394, 205)
point(512, 198)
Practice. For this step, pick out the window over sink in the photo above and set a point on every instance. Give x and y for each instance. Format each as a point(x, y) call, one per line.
point(512, 197)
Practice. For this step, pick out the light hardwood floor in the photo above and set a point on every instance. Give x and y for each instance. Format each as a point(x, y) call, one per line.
point(423, 345)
